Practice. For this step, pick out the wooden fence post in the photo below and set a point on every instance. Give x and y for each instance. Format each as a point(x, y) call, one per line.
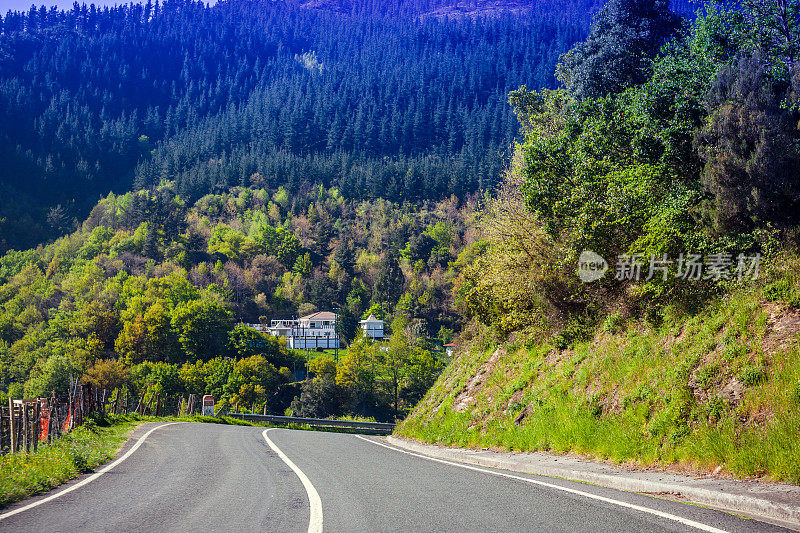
point(20, 428)
point(77, 420)
point(54, 414)
point(29, 432)
point(12, 426)
point(76, 404)
point(140, 405)
point(37, 425)
point(26, 442)
point(90, 399)
point(20, 431)
point(51, 421)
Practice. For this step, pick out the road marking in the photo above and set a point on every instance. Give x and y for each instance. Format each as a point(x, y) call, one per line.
point(315, 518)
point(676, 518)
point(88, 479)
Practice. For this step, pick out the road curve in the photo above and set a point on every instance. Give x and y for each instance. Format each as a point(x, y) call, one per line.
point(207, 477)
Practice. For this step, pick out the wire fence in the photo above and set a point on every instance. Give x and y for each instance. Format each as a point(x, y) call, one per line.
point(27, 423)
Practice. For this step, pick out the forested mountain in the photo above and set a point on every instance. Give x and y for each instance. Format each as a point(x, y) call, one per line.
point(151, 289)
point(391, 99)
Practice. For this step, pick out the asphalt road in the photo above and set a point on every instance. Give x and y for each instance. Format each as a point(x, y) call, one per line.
point(207, 477)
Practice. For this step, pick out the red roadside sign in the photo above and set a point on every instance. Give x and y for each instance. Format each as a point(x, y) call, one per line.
point(208, 405)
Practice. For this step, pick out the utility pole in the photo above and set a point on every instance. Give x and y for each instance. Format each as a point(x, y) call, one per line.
point(336, 331)
point(305, 340)
point(294, 355)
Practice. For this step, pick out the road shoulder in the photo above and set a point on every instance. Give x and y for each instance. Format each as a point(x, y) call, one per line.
point(775, 502)
point(135, 434)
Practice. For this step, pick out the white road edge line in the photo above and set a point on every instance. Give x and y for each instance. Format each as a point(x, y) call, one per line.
point(88, 479)
point(676, 518)
point(315, 503)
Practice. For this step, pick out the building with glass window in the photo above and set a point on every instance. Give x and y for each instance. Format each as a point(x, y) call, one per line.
point(317, 330)
point(372, 327)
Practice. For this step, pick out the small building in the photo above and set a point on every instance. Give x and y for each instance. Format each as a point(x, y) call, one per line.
point(281, 328)
point(448, 349)
point(261, 328)
point(372, 327)
point(322, 323)
point(317, 330)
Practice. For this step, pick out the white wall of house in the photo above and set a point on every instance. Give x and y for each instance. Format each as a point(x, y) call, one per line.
point(372, 327)
point(306, 332)
point(302, 343)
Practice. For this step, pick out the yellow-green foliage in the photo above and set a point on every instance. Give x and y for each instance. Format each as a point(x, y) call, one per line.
point(637, 394)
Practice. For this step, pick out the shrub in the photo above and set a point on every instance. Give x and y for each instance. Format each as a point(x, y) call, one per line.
point(752, 375)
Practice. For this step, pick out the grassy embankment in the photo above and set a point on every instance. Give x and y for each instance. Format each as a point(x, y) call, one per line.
point(717, 389)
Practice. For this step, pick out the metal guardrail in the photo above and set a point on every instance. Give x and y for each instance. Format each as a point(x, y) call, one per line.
point(372, 428)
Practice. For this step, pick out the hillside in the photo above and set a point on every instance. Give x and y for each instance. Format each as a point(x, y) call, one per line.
point(633, 294)
point(716, 392)
point(364, 96)
point(148, 295)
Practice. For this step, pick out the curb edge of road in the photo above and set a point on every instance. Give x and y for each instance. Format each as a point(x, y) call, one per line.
point(789, 515)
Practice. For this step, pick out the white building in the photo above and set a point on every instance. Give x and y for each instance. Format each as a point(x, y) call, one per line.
point(261, 328)
point(448, 348)
point(372, 327)
point(317, 330)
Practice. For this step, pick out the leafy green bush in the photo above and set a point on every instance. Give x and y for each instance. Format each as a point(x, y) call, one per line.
point(783, 290)
point(613, 322)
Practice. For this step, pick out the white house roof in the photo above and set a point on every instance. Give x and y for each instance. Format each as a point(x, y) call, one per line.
point(371, 319)
point(321, 315)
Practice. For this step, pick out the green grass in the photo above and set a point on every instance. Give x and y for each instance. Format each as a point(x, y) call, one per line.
point(635, 393)
point(356, 418)
point(82, 450)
